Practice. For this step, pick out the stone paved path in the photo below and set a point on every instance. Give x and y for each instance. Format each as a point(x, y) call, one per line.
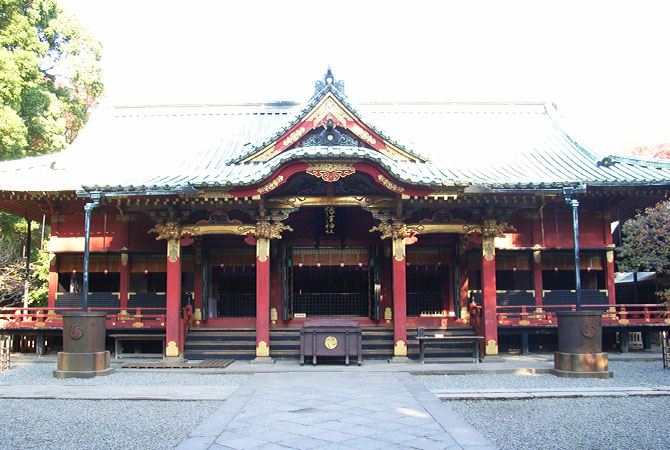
point(334, 411)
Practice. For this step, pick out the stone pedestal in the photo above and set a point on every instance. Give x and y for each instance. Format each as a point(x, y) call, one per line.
point(84, 354)
point(579, 352)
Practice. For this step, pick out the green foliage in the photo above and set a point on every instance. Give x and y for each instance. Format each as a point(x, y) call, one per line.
point(646, 243)
point(49, 77)
point(13, 264)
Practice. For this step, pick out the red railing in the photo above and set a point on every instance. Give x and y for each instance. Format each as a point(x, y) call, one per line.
point(51, 318)
point(185, 319)
point(628, 314)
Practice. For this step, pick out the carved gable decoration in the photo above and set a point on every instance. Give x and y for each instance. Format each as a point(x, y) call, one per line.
point(323, 122)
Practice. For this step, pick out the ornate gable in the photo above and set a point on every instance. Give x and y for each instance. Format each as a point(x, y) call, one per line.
point(327, 120)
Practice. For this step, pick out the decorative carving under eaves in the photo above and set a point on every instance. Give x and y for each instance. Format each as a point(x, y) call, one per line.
point(390, 184)
point(330, 137)
point(443, 217)
point(492, 228)
point(396, 229)
point(270, 230)
point(215, 194)
point(167, 230)
point(220, 218)
point(330, 172)
point(271, 185)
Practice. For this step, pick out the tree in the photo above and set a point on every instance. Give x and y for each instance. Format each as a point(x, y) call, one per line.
point(646, 243)
point(49, 77)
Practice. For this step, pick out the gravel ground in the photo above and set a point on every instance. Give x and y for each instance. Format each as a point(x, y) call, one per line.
point(575, 423)
point(86, 424)
point(42, 373)
point(567, 423)
point(648, 374)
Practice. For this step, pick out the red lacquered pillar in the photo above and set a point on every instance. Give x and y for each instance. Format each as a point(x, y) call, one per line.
point(173, 298)
point(53, 281)
point(197, 282)
point(609, 275)
point(537, 277)
point(262, 297)
point(399, 297)
point(489, 315)
point(124, 281)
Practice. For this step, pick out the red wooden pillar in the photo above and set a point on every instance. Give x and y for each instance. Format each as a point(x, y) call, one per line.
point(124, 280)
point(262, 297)
point(464, 283)
point(197, 282)
point(173, 298)
point(489, 313)
point(399, 297)
point(53, 281)
point(609, 275)
point(537, 277)
point(448, 288)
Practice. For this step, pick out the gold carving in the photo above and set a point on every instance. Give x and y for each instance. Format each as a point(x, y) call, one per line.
point(171, 349)
point(388, 314)
point(262, 349)
point(273, 315)
point(491, 229)
point(524, 322)
point(293, 137)
point(173, 250)
point(167, 230)
point(610, 256)
point(399, 249)
point(363, 134)
point(623, 321)
point(400, 349)
point(124, 259)
point(138, 325)
point(215, 194)
point(197, 314)
point(262, 249)
point(537, 256)
point(465, 314)
point(330, 172)
point(270, 230)
point(330, 342)
point(491, 347)
point(389, 184)
point(271, 185)
point(329, 106)
point(396, 229)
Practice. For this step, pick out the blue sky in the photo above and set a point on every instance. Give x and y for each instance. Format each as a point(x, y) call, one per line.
point(605, 64)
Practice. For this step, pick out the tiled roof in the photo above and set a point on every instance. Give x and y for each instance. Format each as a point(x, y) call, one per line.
point(499, 145)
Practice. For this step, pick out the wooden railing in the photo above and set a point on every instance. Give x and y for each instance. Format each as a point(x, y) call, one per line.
point(51, 318)
point(185, 319)
point(624, 314)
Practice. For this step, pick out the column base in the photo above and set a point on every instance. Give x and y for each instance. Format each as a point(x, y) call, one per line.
point(491, 358)
point(174, 359)
point(262, 360)
point(82, 365)
point(399, 359)
point(581, 365)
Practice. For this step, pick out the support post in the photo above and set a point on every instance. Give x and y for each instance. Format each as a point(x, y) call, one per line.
point(609, 274)
point(537, 277)
point(489, 313)
point(574, 203)
point(26, 281)
point(265, 231)
point(197, 281)
point(124, 280)
point(53, 281)
point(262, 297)
point(399, 297)
point(88, 208)
point(173, 298)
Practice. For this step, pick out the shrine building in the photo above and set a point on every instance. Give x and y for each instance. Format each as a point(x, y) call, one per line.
point(226, 227)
